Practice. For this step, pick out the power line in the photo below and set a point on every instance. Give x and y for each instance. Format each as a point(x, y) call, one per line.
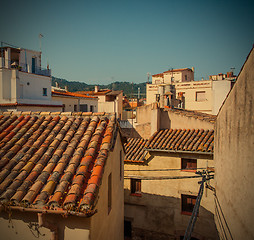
point(166, 169)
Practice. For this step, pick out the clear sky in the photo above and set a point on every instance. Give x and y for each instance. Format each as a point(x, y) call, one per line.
point(100, 41)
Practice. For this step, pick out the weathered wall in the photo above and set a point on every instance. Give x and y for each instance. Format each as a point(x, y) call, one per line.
point(234, 151)
point(158, 210)
point(172, 120)
point(18, 228)
point(109, 225)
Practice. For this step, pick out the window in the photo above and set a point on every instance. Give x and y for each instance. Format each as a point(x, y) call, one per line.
point(83, 107)
point(109, 193)
point(121, 164)
point(75, 108)
point(136, 187)
point(200, 96)
point(63, 108)
point(127, 230)
point(185, 77)
point(188, 203)
point(91, 108)
point(44, 91)
point(189, 164)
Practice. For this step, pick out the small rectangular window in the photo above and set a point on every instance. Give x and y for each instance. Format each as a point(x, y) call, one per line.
point(63, 108)
point(189, 164)
point(136, 187)
point(75, 108)
point(127, 229)
point(109, 193)
point(44, 92)
point(91, 108)
point(83, 107)
point(188, 203)
point(200, 96)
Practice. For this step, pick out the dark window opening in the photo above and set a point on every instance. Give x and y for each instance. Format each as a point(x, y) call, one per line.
point(63, 108)
point(127, 230)
point(75, 108)
point(83, 107)
point(44, 92)
point(136, 187)
point(189, 164)
point(188, 203)
point(91, 108)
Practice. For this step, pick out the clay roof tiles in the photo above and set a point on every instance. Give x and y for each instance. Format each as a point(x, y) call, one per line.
point(53, 161)
point(172, 140)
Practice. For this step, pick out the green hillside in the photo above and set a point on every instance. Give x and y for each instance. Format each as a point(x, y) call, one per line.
point(128, 88)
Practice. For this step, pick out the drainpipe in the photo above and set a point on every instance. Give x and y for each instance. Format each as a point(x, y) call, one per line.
point(52, 227)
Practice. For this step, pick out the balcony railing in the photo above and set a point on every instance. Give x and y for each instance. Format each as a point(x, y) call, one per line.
point(24, 67)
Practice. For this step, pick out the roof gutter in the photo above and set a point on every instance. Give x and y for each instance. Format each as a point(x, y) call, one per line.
point(48, 211)
point(177, 151)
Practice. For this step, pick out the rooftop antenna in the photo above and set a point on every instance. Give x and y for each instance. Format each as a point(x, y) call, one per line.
point(232, 69)
point(148, 76)
point(40, 37)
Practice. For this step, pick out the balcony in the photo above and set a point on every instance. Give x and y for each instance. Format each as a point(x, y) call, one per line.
point(28, 68)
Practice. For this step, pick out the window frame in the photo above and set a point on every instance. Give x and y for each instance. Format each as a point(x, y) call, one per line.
point(190, 161)
point(196, 96)
point(44, 92)
point(187, 208)
point(135, 187)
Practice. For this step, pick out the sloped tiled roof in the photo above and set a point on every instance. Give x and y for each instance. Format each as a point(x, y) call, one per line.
point(172, 140)
point(71, 94)
point(53, 162)
point(195, 140)
point(135, 149)
point(93, 93)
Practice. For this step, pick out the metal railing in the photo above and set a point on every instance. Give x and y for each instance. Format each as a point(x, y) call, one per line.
point(23, 67)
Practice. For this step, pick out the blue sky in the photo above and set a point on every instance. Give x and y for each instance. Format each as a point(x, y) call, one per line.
point(100, 41)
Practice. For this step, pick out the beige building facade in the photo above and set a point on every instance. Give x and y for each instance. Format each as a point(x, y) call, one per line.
point(234, 158)
point(206, 96)
point(160, 194)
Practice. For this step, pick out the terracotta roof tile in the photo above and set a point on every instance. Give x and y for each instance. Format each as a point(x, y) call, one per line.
point(195, 140)
point(53, 161)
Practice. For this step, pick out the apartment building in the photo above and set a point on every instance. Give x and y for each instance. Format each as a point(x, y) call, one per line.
point(24, 84)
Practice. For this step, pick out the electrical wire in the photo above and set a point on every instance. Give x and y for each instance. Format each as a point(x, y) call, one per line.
point(166, 169)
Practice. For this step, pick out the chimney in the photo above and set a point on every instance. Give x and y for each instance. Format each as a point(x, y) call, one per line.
point(192, 69)
point(96, 88)
point(66, 88)
point(57, 85)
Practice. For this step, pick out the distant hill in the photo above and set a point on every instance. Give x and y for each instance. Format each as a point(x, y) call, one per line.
point(128, 88)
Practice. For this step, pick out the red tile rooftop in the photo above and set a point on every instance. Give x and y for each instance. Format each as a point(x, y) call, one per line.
point(170, 140)
point(72, 94)
point(53, 162)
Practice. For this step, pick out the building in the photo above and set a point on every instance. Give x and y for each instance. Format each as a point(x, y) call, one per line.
point(24, 84)
point(108, 100)
point(61, 176)
point(177, 88)
point(233, 155)
point(161, 185)
point(151, 118)
point(74, 102)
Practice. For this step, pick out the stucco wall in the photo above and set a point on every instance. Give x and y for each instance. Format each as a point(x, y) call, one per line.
point(69, 102)
point(170, 119)
point(18, 228)
point(234, 151)
point(109, 225)
point(220, 92)
point(158, 210)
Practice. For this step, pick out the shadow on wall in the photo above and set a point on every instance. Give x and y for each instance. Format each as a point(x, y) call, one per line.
point(150, 216)
point(165, 121)
point(130, 133)
point(24, 225)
